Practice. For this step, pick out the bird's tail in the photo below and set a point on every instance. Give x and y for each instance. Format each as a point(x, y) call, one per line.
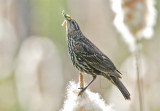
point(121, 87)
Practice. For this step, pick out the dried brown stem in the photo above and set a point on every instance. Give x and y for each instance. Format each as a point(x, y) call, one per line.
point(81, 80)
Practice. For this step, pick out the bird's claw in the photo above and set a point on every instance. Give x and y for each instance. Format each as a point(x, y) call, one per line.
point(82, 90)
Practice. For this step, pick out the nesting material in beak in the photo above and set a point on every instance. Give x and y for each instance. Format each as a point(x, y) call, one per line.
point(67, 17)
point(64, 23)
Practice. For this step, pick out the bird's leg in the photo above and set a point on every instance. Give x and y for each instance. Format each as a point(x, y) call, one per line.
point(81, 80)
point(83, 89)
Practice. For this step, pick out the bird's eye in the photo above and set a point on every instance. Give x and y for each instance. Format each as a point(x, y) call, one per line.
point(73, 22)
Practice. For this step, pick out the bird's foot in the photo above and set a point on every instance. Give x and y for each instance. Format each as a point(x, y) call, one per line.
point(82, 90)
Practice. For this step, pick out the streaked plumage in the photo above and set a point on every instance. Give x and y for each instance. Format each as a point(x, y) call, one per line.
point(86, 57)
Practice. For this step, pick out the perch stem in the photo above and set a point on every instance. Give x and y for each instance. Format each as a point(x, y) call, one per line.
point(81, 80)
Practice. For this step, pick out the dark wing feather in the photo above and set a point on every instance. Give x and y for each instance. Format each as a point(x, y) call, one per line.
point(94, 57)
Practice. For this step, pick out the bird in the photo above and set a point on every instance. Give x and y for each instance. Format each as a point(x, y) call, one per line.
point(89, 59)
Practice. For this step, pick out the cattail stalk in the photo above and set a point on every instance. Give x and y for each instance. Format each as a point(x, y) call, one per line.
point(135, 20)
point(140, 91)
point(81, 80)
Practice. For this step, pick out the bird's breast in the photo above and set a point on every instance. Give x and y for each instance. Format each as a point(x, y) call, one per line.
point(80, 64)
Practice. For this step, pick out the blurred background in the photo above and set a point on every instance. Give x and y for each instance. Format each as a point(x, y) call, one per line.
point(35, 67)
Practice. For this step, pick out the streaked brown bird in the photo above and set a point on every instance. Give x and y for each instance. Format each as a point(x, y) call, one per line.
point(86, 57)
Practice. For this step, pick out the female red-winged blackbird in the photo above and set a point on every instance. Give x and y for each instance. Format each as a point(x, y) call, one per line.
point(86, 57)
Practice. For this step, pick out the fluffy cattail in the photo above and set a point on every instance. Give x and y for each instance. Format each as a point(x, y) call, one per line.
point(134, 19)
point(37, 64)
point(88, 101)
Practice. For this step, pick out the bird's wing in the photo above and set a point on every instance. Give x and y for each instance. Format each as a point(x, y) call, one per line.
point(94, 57)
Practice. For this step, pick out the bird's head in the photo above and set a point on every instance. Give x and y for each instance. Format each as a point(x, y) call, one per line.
point(71, 24)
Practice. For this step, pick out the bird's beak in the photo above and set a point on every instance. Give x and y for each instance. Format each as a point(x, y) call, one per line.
point(67, 17)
